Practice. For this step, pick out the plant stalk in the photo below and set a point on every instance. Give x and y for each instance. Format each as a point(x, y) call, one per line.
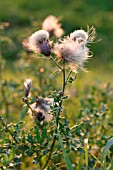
point(64, 83)
point(57, 116)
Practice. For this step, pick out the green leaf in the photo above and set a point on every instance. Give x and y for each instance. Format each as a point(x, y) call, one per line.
point(56, 72)
point(44, 133)
point(23, 113)
point(111, 167)
point(66, 158)
point(98, 161)
point(37, 133)
point(11, 154)
point(107, 146)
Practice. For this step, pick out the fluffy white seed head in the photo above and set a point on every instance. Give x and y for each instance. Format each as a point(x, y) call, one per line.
point(79, 34)
point(73, 53)
point(38, 42)
point(52, 25)
point(39, 37)
point(58, 32)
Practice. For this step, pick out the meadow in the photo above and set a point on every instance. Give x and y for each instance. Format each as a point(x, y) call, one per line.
point(83, 127)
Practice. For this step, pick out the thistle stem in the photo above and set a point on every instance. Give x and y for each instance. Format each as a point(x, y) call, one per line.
point(55, 62)
point(57, 116)
point(51, 149)
point(64, 81)
point(29, 107)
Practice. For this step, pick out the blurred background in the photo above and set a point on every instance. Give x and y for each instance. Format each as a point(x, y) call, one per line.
point(20, 18)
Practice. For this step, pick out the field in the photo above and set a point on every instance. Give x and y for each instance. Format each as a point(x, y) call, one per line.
point(83, 128)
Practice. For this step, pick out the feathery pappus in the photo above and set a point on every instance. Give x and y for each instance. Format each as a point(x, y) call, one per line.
point(38, 42)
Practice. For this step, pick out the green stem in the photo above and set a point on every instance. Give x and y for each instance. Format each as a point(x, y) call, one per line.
point(86, 155)
point(54, 140)
point(64, 81)
point(29, 107)
point(57, 116)
point(51, 149)
point(3, 123)
point(55, 62)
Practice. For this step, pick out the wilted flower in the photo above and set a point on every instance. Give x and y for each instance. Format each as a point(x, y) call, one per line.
point(51, 25)
point(38, 42)
point(41, 109)
point(27, 85)
point(74, 53)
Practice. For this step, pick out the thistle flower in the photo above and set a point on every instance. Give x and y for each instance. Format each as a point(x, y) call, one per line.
point(38, 42)
point(51, 25)
point(27, 85)
point(74, 53)
point(41, 109)
point(40, 115)
point(87, 37)
point(79, 34)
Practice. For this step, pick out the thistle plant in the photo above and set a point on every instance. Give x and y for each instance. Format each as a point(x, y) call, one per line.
point(49, 141)
point(69, 55)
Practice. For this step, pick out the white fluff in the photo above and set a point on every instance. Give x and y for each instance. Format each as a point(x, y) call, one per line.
point(79, 34)
point(51, 24)
point(35, 40)
point(74, 53)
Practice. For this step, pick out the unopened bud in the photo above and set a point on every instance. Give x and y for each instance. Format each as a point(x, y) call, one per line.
point(24, 99)
point(27, 85)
